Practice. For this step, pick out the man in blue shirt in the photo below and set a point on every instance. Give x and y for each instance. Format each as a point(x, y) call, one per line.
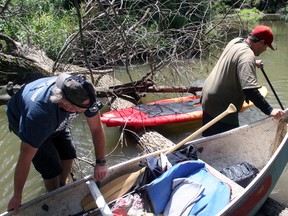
point(40, 114)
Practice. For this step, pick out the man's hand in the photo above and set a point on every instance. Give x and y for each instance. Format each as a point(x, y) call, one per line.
point(259, 64)
point(277, 113)
point(14, 204)
point(100, 171)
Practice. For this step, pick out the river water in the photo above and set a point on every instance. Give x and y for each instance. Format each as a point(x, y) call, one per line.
point(121, 149)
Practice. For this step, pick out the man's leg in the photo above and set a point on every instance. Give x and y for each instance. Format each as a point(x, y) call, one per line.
point(52, 184)
point(54, 160)
point(60, 180)
point(48, 163)
point(67, 166)
point(67, 152)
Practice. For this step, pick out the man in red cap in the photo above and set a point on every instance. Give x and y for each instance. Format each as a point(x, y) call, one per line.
point(233, 80)
point(263, 33)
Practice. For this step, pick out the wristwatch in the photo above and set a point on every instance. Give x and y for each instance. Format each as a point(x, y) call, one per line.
point(101, 162)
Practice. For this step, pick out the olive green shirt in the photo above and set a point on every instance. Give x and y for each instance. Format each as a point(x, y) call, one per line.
point(234, 71)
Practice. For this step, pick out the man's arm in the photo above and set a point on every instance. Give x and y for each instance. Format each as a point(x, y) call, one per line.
point(26, 155)
point(260, 102)
point(98, 138)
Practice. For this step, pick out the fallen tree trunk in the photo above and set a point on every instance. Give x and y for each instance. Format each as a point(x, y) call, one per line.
point(177, 89)
point(149, 140)
point(130, 90)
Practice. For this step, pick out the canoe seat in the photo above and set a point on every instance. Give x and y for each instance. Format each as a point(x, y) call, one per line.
point(99, 199)
point(236, 188)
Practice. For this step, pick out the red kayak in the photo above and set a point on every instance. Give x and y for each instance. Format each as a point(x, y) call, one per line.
point(161, 112)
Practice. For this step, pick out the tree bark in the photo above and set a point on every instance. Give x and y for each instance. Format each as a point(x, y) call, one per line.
point(143, 86)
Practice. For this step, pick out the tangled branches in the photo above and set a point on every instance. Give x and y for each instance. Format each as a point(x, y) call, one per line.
point(154, 33)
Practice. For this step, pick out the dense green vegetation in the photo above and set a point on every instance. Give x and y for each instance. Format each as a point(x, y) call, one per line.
point(48, 24)
point(266, 6)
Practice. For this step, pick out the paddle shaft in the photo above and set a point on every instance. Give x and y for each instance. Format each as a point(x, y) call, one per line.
point(122, 184)
point(266, 77)
point(107, 190)
point(231, 109)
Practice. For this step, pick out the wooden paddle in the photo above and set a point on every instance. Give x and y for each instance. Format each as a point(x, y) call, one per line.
point(121, 185)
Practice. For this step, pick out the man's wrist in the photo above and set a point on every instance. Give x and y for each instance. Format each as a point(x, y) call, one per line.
point(101, 162)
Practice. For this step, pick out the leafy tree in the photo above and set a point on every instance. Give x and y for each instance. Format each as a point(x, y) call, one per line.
point(43, 23)
point(102, 34)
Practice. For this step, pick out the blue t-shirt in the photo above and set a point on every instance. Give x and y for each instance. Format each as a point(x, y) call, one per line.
point(33, 116)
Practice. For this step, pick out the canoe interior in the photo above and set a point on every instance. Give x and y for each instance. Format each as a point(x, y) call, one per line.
point(253, 143)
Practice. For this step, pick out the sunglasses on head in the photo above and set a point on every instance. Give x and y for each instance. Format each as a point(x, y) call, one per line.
point(95, 105)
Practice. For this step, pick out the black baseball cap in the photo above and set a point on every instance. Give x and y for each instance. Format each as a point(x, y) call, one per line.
point(77, 89)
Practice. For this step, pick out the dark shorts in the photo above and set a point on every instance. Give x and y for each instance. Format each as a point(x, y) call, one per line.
point(218, 127)
point(47, 160)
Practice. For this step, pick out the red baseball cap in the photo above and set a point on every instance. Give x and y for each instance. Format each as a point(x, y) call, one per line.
point(264, 33)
